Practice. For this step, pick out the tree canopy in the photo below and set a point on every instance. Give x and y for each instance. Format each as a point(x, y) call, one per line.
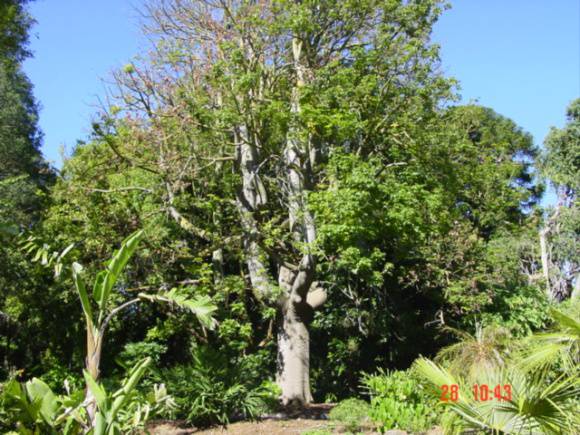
point(307, 168)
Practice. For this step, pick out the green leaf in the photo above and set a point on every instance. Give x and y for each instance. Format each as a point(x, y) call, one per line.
point(40, 392)
point(116, 266)
point(97, 391)
point(98, 286)
point(128, 386)
point(202, 306)
point(9, 230)
point(566, 321)
point(100, 424)
point(65, 251)
point(80, 286)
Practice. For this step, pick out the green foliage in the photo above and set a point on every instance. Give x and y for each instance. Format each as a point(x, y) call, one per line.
point(400, 401)
point(351, 413)
point(134, 352)
point(33, 408)
point(487, 349)
point(212, 390)
point(560, 346)
point(59, 377)
point(537, 405)
point(201, 307)
point(561, 161)
point(119, 412)
point(425, 212)
point(541, 372)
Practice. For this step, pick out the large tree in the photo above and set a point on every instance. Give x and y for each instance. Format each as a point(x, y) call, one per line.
point(24, 176)
point(23, 173)
point(302, 150)
point(560, 236)
point(247, 100)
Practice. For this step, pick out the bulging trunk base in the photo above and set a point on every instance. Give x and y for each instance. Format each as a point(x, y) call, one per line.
point(293, 359)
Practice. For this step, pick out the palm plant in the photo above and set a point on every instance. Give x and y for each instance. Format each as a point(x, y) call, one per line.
point(535, 406)
point(544, 351)
point(488, 348)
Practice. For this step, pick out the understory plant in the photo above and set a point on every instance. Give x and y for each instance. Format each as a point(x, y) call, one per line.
point(399, 401)
point(33, 408)
point(534, 405)
point(211, 390)
point(351, 413)
point(39, 410)
point(98, 320)
point(487, 348)
point(558, 347)
point(539, 384)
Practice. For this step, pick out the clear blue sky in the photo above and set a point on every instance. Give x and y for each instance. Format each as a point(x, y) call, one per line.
point(520, 57)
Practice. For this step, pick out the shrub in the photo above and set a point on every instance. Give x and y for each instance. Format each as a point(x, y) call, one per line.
point(134, 352)
point(59, 377)
point(534, 405)
point(488, 348)
point(33, 407)
point(352, 413)
point(211, 390)
point(400, 401)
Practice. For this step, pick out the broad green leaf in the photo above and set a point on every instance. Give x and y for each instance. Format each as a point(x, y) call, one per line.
point(37, 390)
point(97, 390)
point(128, 386)
point(100, 424)
point(566, 321)
point(9, 230)
point(98, 286)
point(117, 264)
point(80, 286)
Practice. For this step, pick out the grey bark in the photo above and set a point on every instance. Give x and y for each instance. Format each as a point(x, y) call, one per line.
point(295, 312)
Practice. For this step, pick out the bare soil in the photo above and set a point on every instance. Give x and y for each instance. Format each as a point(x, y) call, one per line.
point(313, 418)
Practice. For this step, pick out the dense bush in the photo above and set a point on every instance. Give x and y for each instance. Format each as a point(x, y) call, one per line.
point(400, 401)
point(541, 375)
point(351, 413)
point(212, 390)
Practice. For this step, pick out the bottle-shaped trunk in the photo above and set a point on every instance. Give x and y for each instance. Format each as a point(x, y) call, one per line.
point(294, 357)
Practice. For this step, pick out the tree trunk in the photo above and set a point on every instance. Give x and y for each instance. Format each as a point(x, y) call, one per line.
point(545, 260)
point(294, 356)
point(299, 294)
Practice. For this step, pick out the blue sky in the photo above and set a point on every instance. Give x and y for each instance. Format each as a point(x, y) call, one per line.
point(520, 57)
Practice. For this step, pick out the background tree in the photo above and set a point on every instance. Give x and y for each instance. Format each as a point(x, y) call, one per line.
point(24, 175)
point(560, 236)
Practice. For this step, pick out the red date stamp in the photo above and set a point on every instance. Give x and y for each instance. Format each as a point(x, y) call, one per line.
point(481, 393)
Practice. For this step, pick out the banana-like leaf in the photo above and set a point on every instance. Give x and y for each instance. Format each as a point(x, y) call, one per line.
point(39, 392)
point(98, 286)
point(81, 289)
point(98, 391)
point(115, 267)
point(100, 424)
point(202, 306)
point(127, 388)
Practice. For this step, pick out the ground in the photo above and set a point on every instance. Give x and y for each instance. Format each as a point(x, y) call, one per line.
point(313, 420)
